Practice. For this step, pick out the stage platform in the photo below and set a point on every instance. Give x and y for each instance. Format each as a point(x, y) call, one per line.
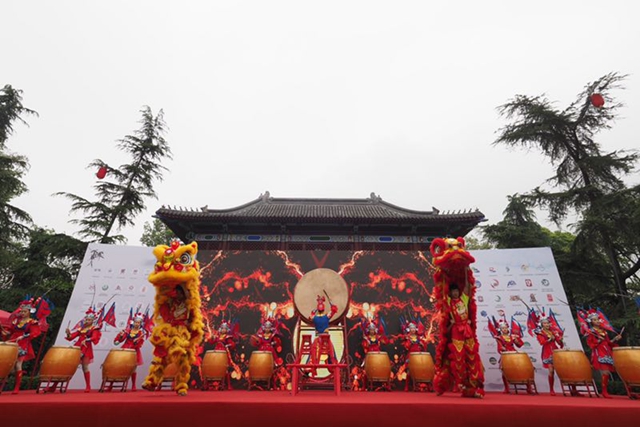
point(311, 408)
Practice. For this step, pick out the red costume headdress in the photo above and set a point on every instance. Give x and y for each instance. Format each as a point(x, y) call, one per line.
point(586, 317)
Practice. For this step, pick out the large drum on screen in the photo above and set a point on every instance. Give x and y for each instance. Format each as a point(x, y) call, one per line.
point(421, 367)
point(572, 366)
point(626, 360)
point(322, 282)
point(60, 363)
point(8, 357)
point(261, 366)
point(215, 365)
point(377, 365)
point(517, 367)
point(119, 364)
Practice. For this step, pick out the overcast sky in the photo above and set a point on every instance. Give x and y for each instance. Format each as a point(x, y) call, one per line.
point(329, 99)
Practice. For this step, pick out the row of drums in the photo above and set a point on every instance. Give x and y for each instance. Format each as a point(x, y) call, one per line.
point(572, 366)
point(377, 366)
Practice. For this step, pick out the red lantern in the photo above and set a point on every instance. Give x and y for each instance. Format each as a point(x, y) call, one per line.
point(597, 100)
point(102, 172)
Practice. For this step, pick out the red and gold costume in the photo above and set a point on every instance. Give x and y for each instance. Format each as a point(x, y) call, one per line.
point(457, 356)
point(372, 335)
point(595, 326)
point(23, 328)
point(224, 339)
point(550, 336)
point(179, 328)
point(86, 337)
point(133, 337)
point(268, 339)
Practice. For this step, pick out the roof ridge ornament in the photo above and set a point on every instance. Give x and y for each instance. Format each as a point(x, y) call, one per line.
point(266, 197)
point(374, 198)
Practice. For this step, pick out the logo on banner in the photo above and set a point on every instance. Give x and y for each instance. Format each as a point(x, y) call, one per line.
point(480, 298)
point(511, 283)
point(514, 298)
point(492, 269)
point(501, 313)
point(144, 289)
point(497, 298)
point(495, 283)
point(92, 287)
point(131, 287)
point(528, 283)
point(540, 267)
point(526, 344)
point(532, 298)
point(545, 282)
point(123, 270)
point(105, 287)
point(507, 268)
point(493, 360)
point(549, 297)
point(478, 284)
point(475, 270)
point(483, 313)
point(524, 267)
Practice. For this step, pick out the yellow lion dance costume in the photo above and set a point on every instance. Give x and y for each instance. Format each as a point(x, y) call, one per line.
point(179, 328)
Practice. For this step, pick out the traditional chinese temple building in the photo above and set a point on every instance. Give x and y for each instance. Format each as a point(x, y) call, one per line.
point(270, 223)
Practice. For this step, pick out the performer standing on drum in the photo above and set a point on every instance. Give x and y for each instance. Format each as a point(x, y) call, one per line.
point(549, 335)
point(322, 344)
point(133, 336)
point(87, 333)
point(507, 341)
point(595, 326)
point(23, 329)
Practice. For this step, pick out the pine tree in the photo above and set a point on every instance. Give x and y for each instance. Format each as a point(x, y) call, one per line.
point(121, 195)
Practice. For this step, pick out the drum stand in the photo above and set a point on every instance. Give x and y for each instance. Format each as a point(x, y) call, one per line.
point(572, 387)
point(217, 383)
point(419, 385)
point(385, 384)
point(254, 384)
point(527, 386)
point(629, 387)
point(51, 384)
point(108, 383)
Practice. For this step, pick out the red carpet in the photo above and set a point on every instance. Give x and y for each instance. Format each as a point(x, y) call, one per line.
point(310, 409)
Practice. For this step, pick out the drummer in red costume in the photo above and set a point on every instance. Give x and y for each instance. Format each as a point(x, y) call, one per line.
point(550, 336)
point(506, 341)
point(595, 326)
point(414, 341)
point(133, 337)
point(322, 343)
point(86, 334)
point(268, 339)
point(372, 335)
point(23, 329)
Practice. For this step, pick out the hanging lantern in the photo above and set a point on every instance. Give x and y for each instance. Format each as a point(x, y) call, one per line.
point(102, 172)
point(597, 100)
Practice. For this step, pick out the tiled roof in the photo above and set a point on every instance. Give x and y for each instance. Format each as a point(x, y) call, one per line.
point(270, 208)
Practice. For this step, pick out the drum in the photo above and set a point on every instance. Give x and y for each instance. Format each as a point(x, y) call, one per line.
point(60, 363)
point(324, 282)
point(626, 360)
point(572, 366)
point(377, 365)
point(261, 366)
point(215, 364)
point(517, 367)
point(421, 367)
point(8, 357)
point(119, 364)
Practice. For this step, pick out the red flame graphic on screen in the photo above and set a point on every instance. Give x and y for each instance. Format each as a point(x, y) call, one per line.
point(291, 266)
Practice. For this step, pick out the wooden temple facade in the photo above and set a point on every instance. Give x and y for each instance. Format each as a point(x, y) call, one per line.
point(270, 223)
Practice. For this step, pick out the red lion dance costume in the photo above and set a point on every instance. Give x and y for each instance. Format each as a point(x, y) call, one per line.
point(457, 356)
point(179, 329)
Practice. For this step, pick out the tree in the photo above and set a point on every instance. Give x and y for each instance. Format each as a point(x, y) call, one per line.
point(518, 229)
point(156, 233)
point(121, 198)
point(587, 182)
point(13, 220)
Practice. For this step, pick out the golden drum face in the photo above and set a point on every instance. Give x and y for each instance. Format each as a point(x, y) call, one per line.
point(119, 364)
point(572, 366)
point(215, 364)
point(60, 363)
point(626, 360)
point(421, 367)
point(261, 365)
point(377, 365)
point(8, 357)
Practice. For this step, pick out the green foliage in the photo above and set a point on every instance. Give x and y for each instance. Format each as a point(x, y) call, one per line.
point(587, 183)
point(121, 196)
point(11, 110)
point(156, 233)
